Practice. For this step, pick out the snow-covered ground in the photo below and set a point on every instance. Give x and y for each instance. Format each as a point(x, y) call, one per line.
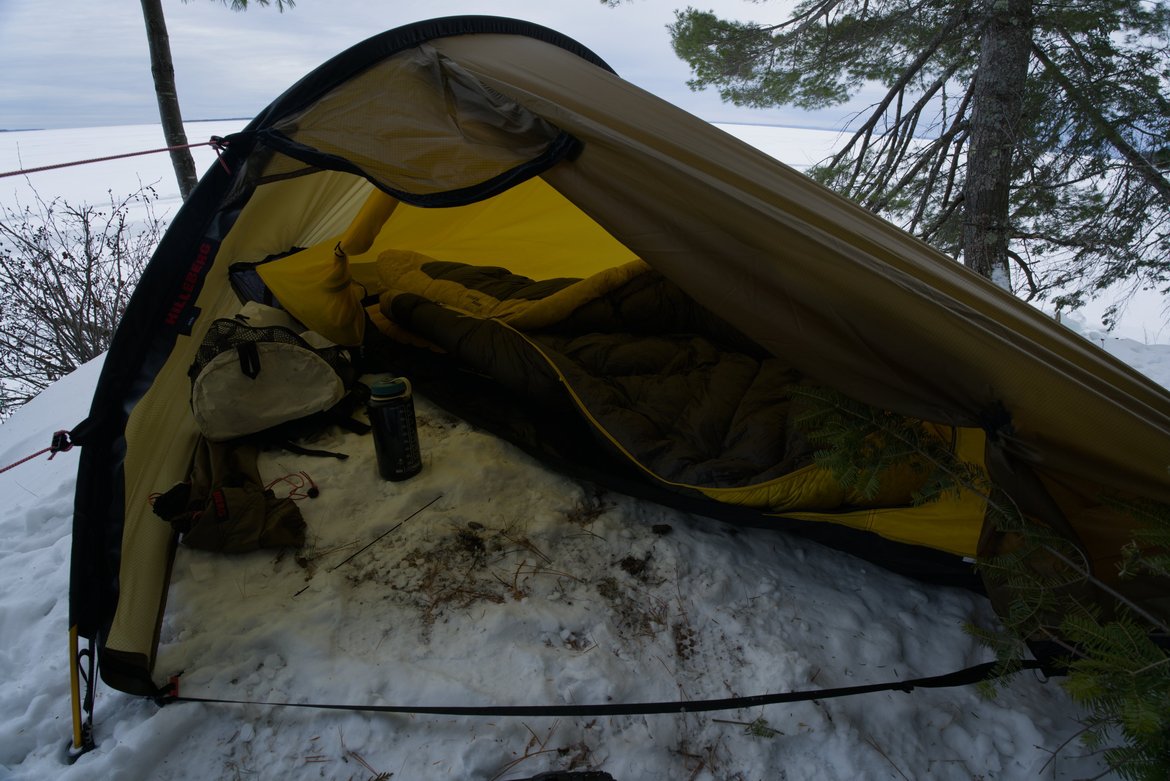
point(515, 586)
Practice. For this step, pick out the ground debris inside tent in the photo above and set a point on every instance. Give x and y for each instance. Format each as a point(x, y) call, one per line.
point(488, 580)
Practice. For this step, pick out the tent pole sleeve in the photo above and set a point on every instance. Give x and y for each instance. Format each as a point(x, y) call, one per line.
point(367, 224)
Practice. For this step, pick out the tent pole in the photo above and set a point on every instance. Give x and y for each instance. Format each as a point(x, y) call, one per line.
point(82, 708)
point(75, 687)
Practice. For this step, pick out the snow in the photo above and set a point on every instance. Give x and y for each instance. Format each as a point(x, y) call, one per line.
point(511, 586)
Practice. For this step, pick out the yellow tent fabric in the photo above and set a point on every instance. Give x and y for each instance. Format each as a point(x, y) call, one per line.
point(509, 145)
point(531, 228)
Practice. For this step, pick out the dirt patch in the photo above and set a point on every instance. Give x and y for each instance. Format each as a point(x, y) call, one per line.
point(634, 566)
point(589, 508)
point(451, 574)
point(636, 614)
point(684, 639)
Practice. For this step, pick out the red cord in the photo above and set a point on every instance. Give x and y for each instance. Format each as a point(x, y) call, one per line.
point(216, 143)
point(61, 443)
point(298, 481)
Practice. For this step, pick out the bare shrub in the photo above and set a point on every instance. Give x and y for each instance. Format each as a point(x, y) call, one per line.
point(66, 273)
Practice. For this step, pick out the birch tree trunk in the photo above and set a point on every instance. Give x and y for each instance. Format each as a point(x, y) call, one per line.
point(163, 71)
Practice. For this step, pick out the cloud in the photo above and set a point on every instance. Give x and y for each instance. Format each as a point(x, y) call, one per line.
point(76, 63)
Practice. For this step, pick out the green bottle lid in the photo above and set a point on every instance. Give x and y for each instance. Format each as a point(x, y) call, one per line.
point(388, 388)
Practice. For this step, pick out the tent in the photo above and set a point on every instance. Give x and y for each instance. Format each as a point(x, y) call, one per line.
point(488, 184)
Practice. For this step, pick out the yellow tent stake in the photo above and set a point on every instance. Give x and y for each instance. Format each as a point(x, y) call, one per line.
point(75, 687)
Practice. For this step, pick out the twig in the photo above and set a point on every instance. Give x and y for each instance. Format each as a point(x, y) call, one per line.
point(383, 534)
point(1058, 749)
point(758, 728)
point(524, 542)
point(528, 752)
point(330, 551)
point(873, 744)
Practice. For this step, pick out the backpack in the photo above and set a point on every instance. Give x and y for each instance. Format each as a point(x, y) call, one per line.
point(258, 373)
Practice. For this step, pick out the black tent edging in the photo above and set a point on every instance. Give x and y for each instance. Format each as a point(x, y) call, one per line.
point(968, 675)
point(160, 310)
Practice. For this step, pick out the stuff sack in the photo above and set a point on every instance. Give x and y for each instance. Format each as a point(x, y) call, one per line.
point(256, 372)
point(224, 506)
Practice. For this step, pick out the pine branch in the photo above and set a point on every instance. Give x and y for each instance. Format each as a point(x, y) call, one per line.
point(1148, 171)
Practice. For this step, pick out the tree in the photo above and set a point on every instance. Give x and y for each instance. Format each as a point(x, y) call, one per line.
point(1009, 132)
point(1114, 651)
point(66, 274)
point(162, 68)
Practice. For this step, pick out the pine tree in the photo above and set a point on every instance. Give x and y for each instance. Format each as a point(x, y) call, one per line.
point(1033, 132)
point(1116, 655)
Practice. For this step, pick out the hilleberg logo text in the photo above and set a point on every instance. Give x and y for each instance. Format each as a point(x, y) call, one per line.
point(190, 282)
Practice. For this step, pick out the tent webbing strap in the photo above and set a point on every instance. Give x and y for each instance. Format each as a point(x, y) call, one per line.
point(969, 675)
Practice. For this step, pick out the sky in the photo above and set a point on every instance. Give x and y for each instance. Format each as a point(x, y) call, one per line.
point(78, 63)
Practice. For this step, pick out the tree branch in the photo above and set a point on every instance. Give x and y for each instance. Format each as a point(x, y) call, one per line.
point(961, 15)
point(1147, 169)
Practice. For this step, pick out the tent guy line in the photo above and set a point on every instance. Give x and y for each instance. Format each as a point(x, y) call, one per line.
point(964, 677)
point(215, 142)
point(61, 443)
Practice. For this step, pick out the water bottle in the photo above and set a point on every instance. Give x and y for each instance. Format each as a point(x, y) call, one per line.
point(391, 409)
